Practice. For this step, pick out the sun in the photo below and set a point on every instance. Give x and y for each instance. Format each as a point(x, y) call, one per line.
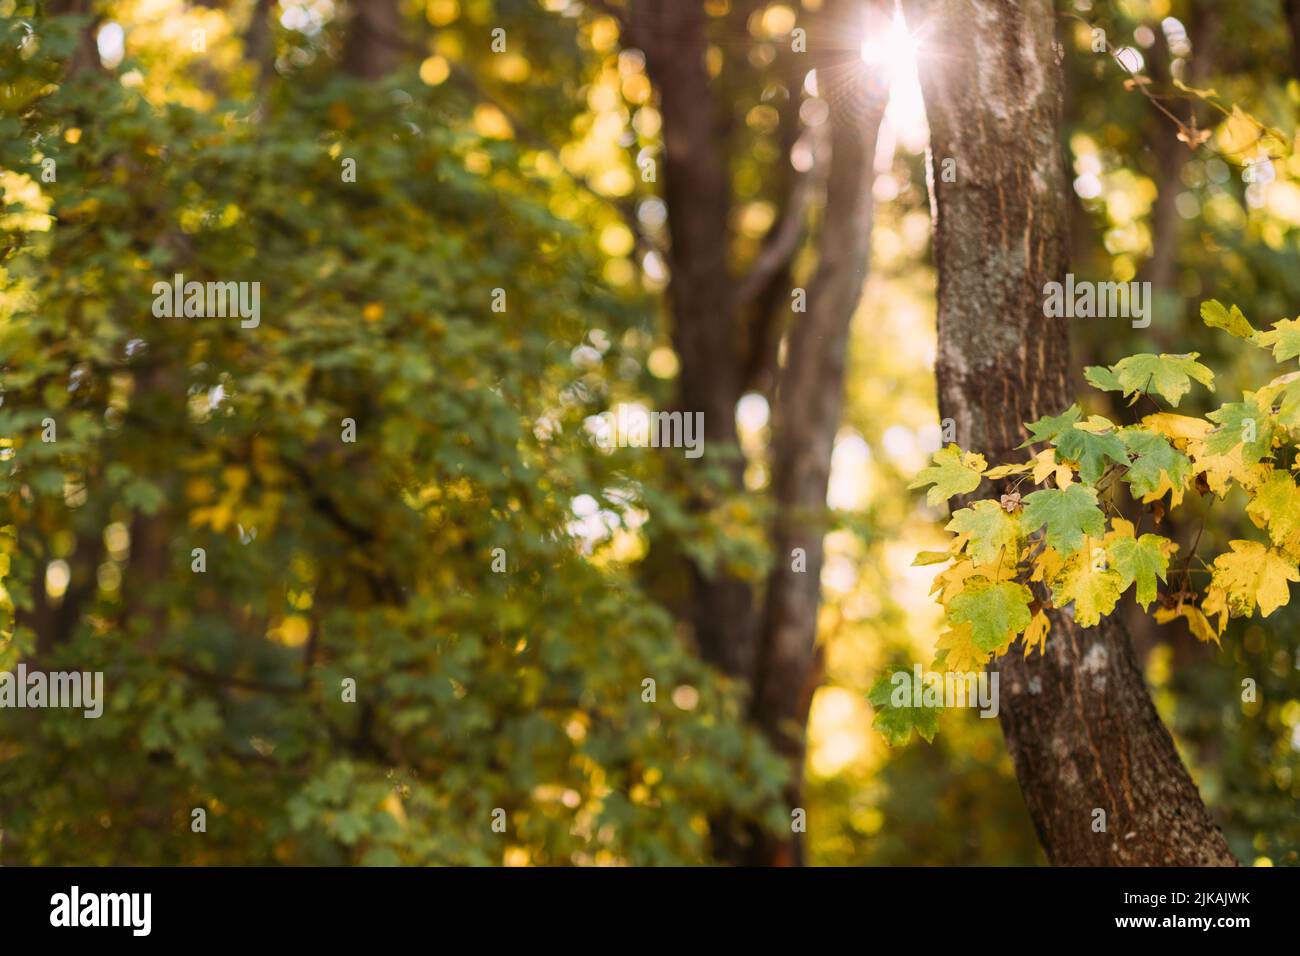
point(892, 48)
point(896, 51)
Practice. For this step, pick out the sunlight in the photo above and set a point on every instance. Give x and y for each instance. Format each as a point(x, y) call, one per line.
point(895, 50)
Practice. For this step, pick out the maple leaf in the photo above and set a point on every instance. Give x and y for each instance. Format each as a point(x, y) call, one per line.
point(1093, 587)
point(1045, 464)
point(1005, 471)
point(1166, 375)
point(1068, 513)
point(897, 721)
point(1275, 505)
point(1087, 443)
point(995, 612)
point(1157, 468)
point(1141, 559)
point(1090, 447)
point(1288, 388)
point(951, 581)
point(1216, 602)
point(1197, 622)
point(931, 557)
point(1036, 633)
point(1047, 566)
point(1284, 387)
point(956, 651)
point(954, 472)
point(1253, 574)
point(1177, 428)
point(1049, 426)
point(1243, 424)
point(1216, 316)
point(1219, 470)
point(1283, 338)
point(990, 528)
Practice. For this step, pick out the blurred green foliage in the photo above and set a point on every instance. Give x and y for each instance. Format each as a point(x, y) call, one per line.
point(325, 559)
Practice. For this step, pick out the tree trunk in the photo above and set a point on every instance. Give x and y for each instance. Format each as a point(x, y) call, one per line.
point(1079, 723)
point(1171, 154)
point(697, 191)
point(1291, 11)
point(373, 46)
point(775, 653)
point(808, 405)
point(86, 54)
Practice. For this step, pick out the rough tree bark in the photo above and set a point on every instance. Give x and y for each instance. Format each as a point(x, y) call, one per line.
point(1078, 720)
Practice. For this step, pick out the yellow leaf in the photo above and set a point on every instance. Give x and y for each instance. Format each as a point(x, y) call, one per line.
point(1045, 464)
point(1253, 574)
point(952, 581)
point(1216, 602)
point(1120, 528)
point(1036, 633)
point(1095, 424)
point(1197, 623)
point(1219, 470)
point(1005, 471)
point(1177, 428)
point(931, 557)
point(1268, 395)
point(1048, 565)
point(1275, 505)
point(961, 652)
point(1166, 485)
point(1092, 586)
point(1194, 91)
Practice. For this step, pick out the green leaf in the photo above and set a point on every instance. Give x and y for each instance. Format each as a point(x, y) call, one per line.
point(891, 696)
point(990, 528)
point(954, 472)
point(1166, 375)
point(1142, 560)
point(1068, 514)
point(1090, 449)
point(1100, 377)
point(1283, 339)
point(1245, 424)
point(1048, 427)
point(1156, 462)
point(1231, 320)
point(995, 612)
